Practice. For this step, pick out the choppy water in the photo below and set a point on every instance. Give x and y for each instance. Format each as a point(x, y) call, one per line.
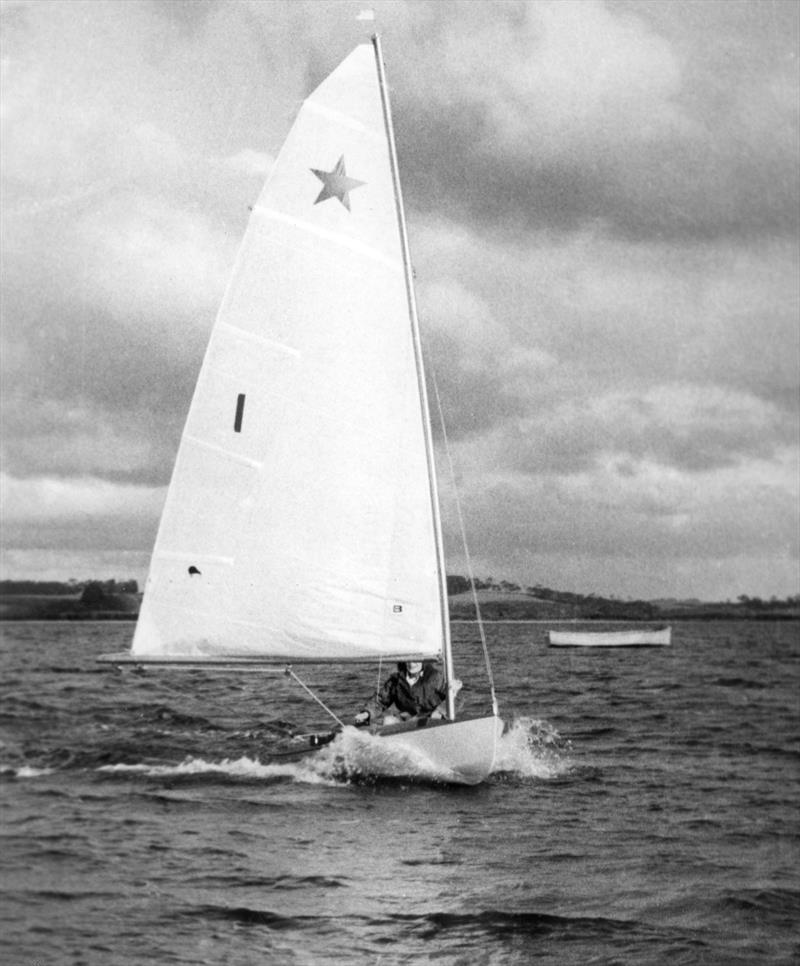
point(645, 810)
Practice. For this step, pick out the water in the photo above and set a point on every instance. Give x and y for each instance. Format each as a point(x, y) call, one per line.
point(644, 810)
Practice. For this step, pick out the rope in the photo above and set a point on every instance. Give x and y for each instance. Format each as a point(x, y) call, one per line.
point(227, 711)
point(207, 702)
point(380, 675)
point(467, 557)
point(290, 673)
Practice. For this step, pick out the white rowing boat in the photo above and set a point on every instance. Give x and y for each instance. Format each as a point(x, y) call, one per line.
point(641, 637)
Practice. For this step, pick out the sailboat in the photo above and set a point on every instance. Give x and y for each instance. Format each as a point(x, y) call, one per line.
point(301, 524)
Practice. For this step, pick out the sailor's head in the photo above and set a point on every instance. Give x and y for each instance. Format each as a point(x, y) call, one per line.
point(413, 668)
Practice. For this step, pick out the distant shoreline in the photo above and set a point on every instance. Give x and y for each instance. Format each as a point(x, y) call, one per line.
point(495, 609)
point(101, 617)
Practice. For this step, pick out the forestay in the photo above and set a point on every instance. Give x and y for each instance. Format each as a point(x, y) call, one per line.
point(299, 522)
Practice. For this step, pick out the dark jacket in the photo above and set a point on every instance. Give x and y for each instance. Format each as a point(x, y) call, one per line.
point(424, 696)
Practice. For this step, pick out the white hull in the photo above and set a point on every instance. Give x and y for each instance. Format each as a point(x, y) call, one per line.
point(462, 751)
point(634, 638)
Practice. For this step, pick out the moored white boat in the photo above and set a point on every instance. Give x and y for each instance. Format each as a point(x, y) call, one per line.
point(641, 637)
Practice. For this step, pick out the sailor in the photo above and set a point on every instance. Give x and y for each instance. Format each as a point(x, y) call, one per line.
point(415, 688)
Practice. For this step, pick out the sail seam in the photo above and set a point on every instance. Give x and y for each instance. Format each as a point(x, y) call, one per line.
point(272, 343)
point(343, 119)
point(196, 557)
point(332, 236)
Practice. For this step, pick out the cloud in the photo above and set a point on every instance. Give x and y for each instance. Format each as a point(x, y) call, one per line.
point(251, 162)
point(480, 375)
point(80, 513)
point(574, 77)
point(65, 563)
point(544, 328)
point(640, 526)
point(106, 347)
point(602, 207)
point(151, 266)
point(561, 115)
point(689, 428)
point(34, 500)
point(83, 439)
point(118, 240)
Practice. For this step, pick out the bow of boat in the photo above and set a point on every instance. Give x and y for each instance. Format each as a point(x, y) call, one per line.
point(465, 751)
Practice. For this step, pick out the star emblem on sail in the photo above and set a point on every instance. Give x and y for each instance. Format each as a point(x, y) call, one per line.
point(336, 184)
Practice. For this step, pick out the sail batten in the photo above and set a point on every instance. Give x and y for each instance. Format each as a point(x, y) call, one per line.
point(193, 557)
point(222, 452)
point(256, 338)
point(336, 237)
point(343, 119)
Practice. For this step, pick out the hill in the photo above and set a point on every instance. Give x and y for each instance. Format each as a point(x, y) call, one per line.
point(90, 600)
point(504, 605)
point(113, 600)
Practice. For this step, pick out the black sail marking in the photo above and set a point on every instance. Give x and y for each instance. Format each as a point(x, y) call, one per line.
point(237, 423)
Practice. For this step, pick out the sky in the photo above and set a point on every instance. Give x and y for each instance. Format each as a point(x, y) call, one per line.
point(602, 201)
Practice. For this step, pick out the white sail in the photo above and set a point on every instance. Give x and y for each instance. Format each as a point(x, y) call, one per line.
point(299, 521)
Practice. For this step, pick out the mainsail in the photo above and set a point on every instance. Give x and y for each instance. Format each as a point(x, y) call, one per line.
point(300, 522)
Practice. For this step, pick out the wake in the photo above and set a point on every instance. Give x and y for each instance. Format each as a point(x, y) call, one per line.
point(528, 749)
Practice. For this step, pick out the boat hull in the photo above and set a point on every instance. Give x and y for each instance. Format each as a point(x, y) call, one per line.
point(634, 638)
point(461, 751)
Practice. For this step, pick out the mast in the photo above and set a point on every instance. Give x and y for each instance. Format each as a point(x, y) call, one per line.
point(417, 342)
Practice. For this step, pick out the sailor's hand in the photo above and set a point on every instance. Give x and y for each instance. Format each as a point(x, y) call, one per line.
point(361, 719)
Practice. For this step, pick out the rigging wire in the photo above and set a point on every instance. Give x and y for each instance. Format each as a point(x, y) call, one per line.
point(463, 532)
point(380, 675)
point(164, 685)
point(290, 673)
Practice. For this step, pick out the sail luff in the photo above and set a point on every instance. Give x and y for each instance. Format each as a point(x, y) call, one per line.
point(417, 342)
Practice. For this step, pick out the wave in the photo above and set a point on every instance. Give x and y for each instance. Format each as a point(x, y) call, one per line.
point(351, 757)
point(490, 924)
point(498, 923)
point(23, 771)
point(531, 748)
point(777, 906)
point(739, 682)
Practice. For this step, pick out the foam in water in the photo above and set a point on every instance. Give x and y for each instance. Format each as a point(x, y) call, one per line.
point(352, 754)
point(25, 771)
point(528, 748)
point(359, 754)
point(240, 768)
